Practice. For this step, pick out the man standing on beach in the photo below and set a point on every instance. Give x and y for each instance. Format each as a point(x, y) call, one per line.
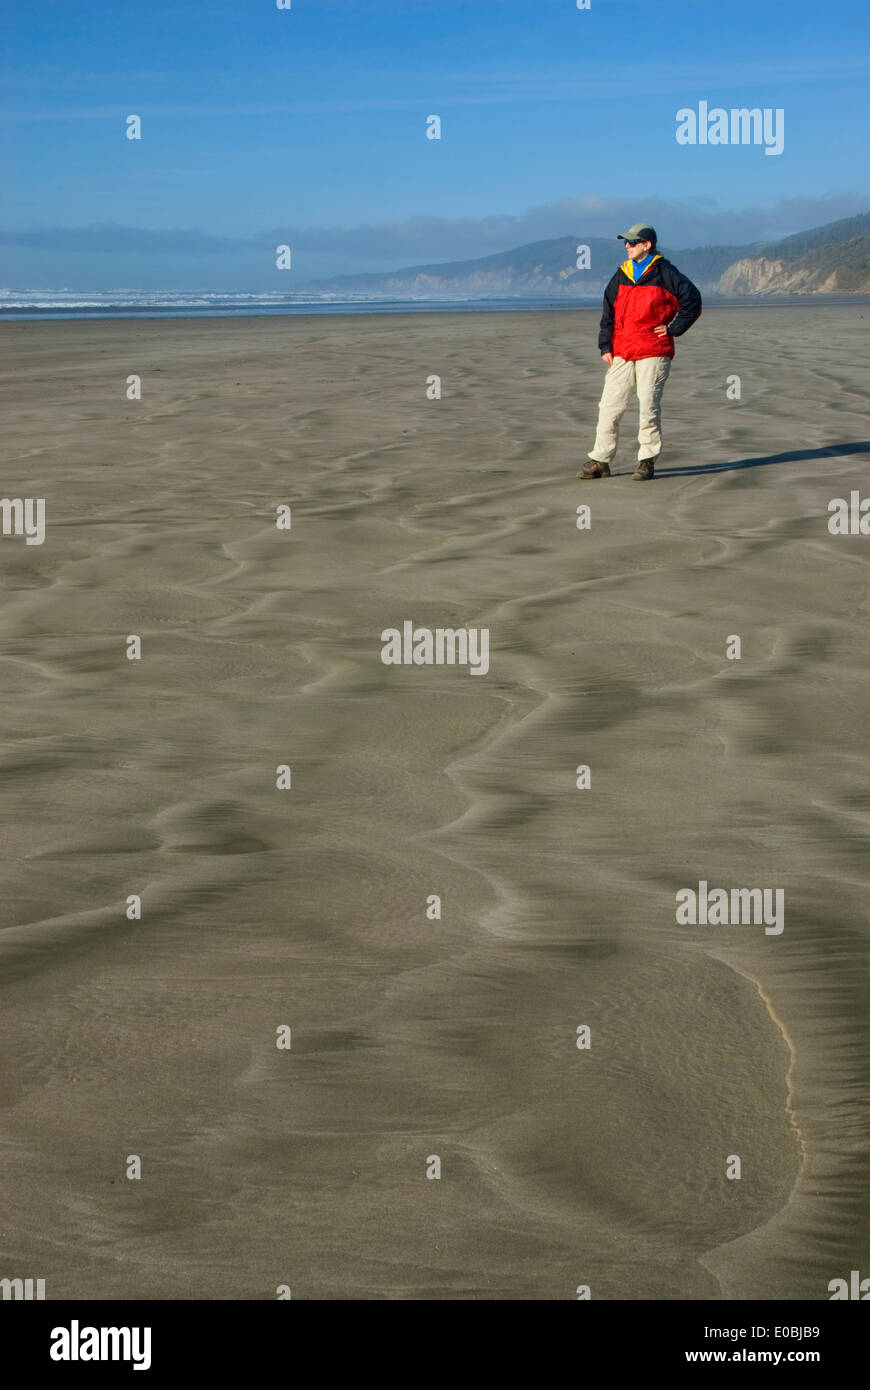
point(647, 304)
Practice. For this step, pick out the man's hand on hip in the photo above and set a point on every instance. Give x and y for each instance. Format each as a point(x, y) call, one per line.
point(608, 357)
point(661, 330)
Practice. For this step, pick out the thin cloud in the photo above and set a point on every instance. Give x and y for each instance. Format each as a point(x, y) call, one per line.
point(680, 224)
point(575, 84)
point(111, 237)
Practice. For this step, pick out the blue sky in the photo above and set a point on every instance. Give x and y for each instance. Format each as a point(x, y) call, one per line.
point(307, 126)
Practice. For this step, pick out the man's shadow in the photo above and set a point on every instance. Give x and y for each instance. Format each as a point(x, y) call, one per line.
point(793, 455)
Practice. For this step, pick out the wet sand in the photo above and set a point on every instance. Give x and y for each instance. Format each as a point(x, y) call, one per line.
point(307, 907)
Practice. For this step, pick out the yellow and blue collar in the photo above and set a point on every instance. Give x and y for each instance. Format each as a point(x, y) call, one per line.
point(628, 266)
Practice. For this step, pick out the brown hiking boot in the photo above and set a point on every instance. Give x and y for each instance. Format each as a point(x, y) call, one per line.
point(594, 469)
point(645, 469)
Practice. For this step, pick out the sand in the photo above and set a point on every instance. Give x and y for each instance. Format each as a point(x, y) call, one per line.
point(412, 1036)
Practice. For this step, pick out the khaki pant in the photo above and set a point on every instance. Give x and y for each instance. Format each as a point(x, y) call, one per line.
point(647, 376)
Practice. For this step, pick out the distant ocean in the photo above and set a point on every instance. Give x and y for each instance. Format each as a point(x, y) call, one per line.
point(161, 304)
point(167, 304)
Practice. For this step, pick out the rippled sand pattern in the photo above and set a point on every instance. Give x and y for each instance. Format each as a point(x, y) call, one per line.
point(307, 907)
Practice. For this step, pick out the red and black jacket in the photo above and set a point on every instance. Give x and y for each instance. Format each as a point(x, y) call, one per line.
point(662, 295)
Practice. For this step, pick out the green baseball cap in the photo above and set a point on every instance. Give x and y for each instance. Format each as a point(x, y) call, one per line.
point(641, 231)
